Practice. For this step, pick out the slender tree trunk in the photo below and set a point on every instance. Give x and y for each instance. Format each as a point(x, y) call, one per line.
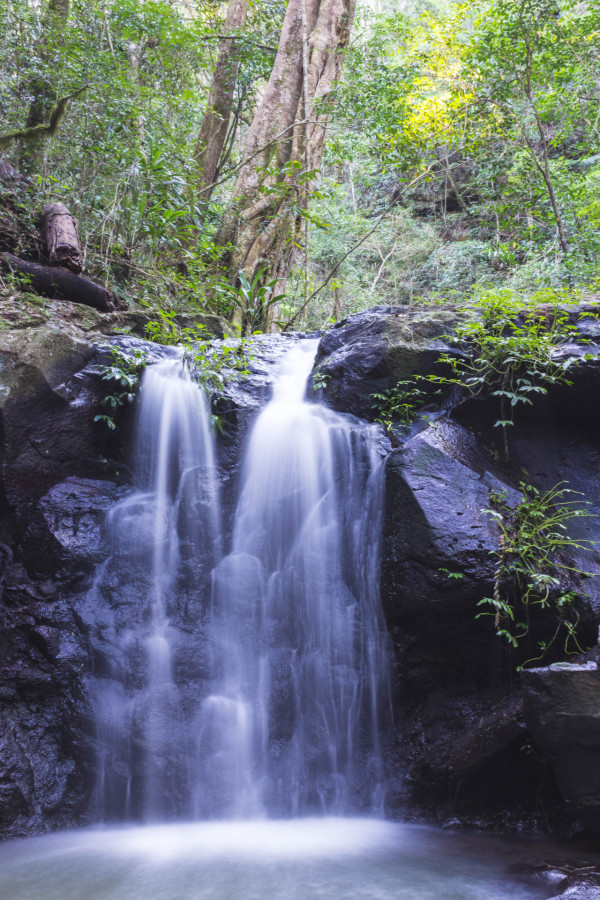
point(135, 53)
point(547, 176)
point(213, 131)
point(41, 86)
point(525, 80)
point(264, 228)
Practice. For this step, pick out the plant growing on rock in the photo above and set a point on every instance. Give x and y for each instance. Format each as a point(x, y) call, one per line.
point(320, 380)
point(254, 301)
point(211, 362)
point(124, 371)
point(533, 568)
point(214, 363)
point(399, 403)
point(509, 352)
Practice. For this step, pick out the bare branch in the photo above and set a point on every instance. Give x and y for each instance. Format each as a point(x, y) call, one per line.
point(397, 196)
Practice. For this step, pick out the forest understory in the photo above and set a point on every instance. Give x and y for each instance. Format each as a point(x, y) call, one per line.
point(287, 165)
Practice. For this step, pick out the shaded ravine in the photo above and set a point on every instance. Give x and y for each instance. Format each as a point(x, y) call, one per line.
point(282, 707)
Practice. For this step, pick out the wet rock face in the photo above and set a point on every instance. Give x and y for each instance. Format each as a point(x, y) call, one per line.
point(438, 539)
point(371, 351)
point(579, 887)
point(456, 752)
point(461, 718)
point(562, 703)
point(60, 474)
point(45, 706)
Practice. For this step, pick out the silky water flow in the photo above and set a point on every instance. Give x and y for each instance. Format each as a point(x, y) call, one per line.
point(249, 687)
point(298, 682)
point(149, 597)
point(253, 683)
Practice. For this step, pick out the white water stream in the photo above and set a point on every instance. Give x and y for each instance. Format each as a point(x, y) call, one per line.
point(247, 685)
point(298, 689)
point(165, 537)
point(254, 683)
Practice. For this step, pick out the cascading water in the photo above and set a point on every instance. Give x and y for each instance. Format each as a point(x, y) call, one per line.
point(165, 540)
point(259, 690)
point(298, 672)
point(247, 685)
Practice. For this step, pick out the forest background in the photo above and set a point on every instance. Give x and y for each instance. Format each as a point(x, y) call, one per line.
point(285, 165)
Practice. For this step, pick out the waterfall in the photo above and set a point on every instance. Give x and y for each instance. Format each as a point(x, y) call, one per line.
point(298, 668)
point(165, 539)
point(253, 683)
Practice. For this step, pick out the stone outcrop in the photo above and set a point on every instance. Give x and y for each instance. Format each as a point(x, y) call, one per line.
point(562, 704)
point(461, 715)
point(373, 350)
point(45, 654)
point(461, 726)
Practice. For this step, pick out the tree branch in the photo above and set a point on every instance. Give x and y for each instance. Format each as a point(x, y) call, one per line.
point(396, 198)
point(38, 131)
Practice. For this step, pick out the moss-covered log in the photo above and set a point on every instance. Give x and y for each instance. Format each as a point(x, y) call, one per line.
point(59, 282)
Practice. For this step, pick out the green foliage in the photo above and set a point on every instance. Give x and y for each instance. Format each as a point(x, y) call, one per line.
point(124, 371)
point(212, 363)
point(320, 380)
point(510, 352)
point(533, 569)
point(254, 300)
point(163, 328)
point(492, 105)
point(399, 403)
point(498, 101)
point(122, 158)
point(456, 576)
point(215, 364)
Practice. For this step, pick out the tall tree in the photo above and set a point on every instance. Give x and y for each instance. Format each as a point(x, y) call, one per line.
point(41, 86)
point(285, 142)
point(215, 124)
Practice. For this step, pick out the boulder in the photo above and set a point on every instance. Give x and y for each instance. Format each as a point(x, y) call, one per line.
point(370, 352)
point(66, 530)
point(579, 887)
point(562, 703)
point(439, 542)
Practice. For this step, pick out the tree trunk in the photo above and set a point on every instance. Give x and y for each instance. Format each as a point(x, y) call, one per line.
point(41, 87)
point(61, 283)
point(546, 174)
point(213, 131)
point(60, 232)
point(263, 230)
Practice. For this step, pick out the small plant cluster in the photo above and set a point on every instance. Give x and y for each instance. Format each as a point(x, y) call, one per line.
point(505, 351)
point(320, 380)
point(254, 301)
point(124, 371)
point(214, 364)
point(210, 362)
point(400, 403)
point(532, 565)
point(510, 353)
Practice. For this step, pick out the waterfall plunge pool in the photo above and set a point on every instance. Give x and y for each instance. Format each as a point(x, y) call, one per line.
point(299, 859)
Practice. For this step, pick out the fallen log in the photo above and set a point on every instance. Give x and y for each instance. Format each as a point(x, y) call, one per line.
point(60, 283)
point(61, 235)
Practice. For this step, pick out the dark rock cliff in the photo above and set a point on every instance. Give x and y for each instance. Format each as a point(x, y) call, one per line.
point(461, 718)
point(466, 747)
